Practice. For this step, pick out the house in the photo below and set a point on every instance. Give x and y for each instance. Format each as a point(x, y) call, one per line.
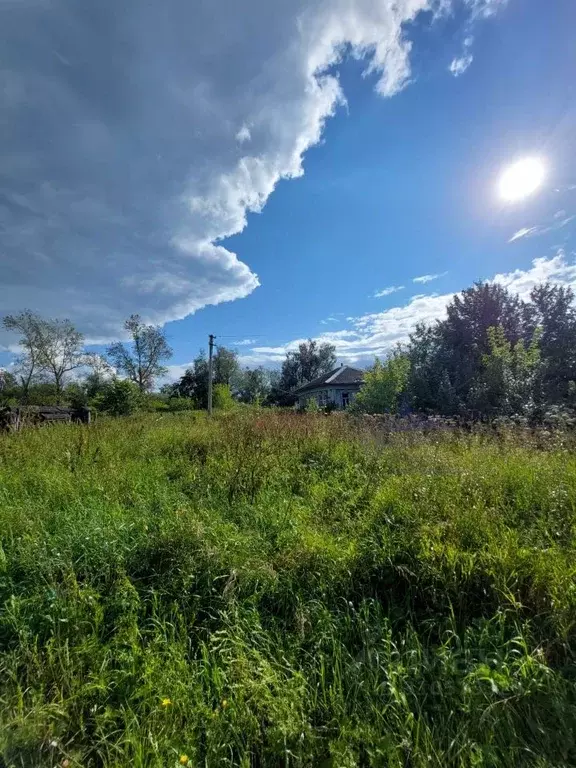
point(337, 388)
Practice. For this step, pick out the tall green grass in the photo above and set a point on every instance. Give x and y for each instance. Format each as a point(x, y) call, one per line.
point(271, 589)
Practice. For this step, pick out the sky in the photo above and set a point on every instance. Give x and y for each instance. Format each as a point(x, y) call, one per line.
point(269, 172)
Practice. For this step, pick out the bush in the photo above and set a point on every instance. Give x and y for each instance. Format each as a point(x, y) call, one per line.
point(178, 404)
point(120, 398)
point(75, 394)
point(383, 385)
point(222, 397)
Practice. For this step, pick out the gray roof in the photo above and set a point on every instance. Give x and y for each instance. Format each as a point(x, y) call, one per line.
point(344, 375)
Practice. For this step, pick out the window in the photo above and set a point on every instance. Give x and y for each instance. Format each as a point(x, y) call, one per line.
point(345, 399)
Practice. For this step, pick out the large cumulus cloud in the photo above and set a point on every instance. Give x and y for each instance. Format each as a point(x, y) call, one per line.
point(134, 136)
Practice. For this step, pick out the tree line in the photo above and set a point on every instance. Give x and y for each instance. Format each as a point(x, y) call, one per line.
point(492, 355)
point(50, 350)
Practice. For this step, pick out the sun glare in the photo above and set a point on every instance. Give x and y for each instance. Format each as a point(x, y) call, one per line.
point(521, 179)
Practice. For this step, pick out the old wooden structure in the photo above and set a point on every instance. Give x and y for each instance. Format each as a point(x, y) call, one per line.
point(13, 418)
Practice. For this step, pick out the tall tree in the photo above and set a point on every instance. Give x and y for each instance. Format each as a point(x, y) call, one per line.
point(141, 360)
point(307, 363)
point(254, 385)
point(53, 347)
point(27, 365)
point(194, 382)
point(506, 385)
point(99, 375)
point(556, 316)
point(61, 350)
point(448, 358)
point(225, 366)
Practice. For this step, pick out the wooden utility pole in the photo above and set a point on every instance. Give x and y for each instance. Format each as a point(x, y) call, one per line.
point(211, 338)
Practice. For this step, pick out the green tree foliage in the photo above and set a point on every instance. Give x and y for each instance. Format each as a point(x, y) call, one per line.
point(9, 389)
point(141, 360)
point(120, 398)
point(51, 349)
point(27, 364)
point(448, 358)
point(556, 317)
point(225, 367)
point(194, 382)
point(383, 385)
point(253, 385)
point(507, 384)
point(307, 363)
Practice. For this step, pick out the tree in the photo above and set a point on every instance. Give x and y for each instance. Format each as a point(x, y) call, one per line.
point(225, 367)
point(556, 316)
point(52, 347)
point(9, 389)
point(194, 382)
point(464, 338)
point(253, 385)
point(428, 375)
point(99, 376)
point(26, 364)
point(60, 350)
point(448, 357)
point(383, 385)
point(142, 361)
point(310, 361)
point(507, 383)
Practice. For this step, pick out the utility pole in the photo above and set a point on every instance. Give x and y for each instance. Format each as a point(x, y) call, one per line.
point(211, 338)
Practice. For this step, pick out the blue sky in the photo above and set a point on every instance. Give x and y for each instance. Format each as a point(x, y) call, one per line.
point(263, 175)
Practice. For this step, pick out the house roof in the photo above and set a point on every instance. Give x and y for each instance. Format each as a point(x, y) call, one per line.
point(337, 377)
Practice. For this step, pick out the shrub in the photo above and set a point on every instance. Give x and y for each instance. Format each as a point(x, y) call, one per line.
point(222, 397)
point(383, 385)
point(177, 404)
point(120, 398)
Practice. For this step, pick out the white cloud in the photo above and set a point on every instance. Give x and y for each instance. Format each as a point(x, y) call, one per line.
point(377, 333)
point(244, 343)
point(387, 291)
point(480, 9)
point(243, 134)
point(460, 64)
point(139, 141)
point(428, 278)
point(554, 270)
point(524, 232)
point(485, 8)
point(559, 220)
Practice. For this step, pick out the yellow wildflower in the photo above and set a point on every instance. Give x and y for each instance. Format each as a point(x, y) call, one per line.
point(184, 760)
point(224, 704)
point(166, 702)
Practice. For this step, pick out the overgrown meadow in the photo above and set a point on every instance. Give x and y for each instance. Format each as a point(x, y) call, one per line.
point(275, 589)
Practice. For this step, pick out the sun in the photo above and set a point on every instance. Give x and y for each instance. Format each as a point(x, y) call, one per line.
point(521, 179)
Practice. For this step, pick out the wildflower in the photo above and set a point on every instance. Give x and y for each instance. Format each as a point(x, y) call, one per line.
point(184, 759)
point(65, 763)
point(166, 702)
point(224, 704)
point(53, 743)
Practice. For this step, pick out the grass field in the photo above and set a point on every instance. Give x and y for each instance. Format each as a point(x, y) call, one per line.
point(269, 589)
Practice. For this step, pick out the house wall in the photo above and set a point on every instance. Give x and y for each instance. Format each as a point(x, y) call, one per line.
point(325, 395)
